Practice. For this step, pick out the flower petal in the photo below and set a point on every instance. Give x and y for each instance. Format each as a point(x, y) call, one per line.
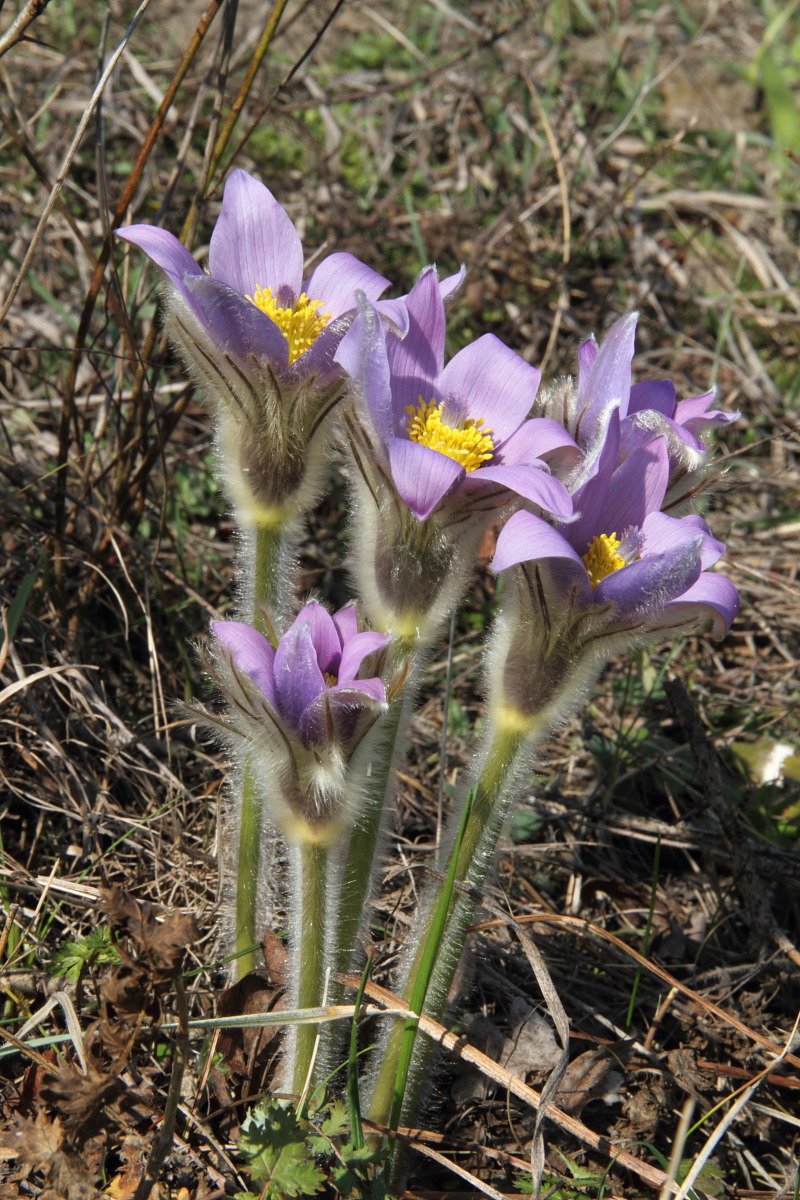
point(298, 679)
point(539, 438)
point(607, 383)
point(416, 360)
point(324, 635)
point(362, 354)
point(636, 488)
point(525, 537)
point(254, 243)
point(712, 596)
point(661, 532)
point(490, 382)
point(694, 413)
point(346, 622)
point(652, 581)
point(655, 394)
point(337, 279)
point(355, 650)
point(251, 652)
point(343, 708)
point(164, 249)
point(234, 324)
point(422, 476)
point(533, 483)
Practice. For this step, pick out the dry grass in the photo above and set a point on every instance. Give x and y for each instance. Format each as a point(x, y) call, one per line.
point(581, 160)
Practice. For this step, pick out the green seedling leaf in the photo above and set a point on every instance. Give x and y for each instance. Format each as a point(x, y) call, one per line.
point(96, 949)
point(710, 1181)
point(17, 606)
point(274, 1145)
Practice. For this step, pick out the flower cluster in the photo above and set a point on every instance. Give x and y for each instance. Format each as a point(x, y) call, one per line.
point(593, 485)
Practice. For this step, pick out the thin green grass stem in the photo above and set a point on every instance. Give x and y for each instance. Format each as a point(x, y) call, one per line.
point(309, 896)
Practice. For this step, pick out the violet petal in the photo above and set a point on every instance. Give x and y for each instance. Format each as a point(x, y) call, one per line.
point(164, 249)
point(653, 581)
point(236, 325)
point(656, 394)
point(422, 476)
point(416, 361)
point(298, 678)
point(337, 279)
point(493, 383)
point(324, 635)
point(531, 482)
point(636, 488)
point(254, 243)
point(525, 537)
point(355, 650)
point(251, 652)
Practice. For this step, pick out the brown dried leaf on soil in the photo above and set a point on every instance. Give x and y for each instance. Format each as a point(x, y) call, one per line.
point(38, 1144)
point(82, 1101)
point(159, 936)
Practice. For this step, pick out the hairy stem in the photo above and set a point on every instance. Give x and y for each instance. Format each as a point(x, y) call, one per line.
point(267, 580)
point(309, 897)
point(503, 762)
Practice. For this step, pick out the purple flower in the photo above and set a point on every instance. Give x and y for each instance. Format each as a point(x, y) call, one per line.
point(255, 303)
point(260, 341)
point(606, 406)
point(628, 565)
point(311, 682)
point(453, 438)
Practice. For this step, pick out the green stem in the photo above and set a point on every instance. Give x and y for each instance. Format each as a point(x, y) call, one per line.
point(272, 546)
point(359, 867)
point(309, 895)
point(251, 819)
point(504, 762)
point(266, 556)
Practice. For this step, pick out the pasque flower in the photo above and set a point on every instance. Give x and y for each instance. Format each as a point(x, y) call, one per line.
point(260, 339)
point(605, 405)
point(620, 575)
point(440, 450)
point(452, 436)
point(304, 707)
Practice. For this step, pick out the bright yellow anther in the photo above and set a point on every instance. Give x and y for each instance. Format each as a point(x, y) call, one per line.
point(300, 325)
point(466, 443)
point(601, 558)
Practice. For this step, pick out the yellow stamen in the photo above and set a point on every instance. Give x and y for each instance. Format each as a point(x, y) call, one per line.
point(601, 558)
point(330, 680)
point(467, 444)
point(300, 325)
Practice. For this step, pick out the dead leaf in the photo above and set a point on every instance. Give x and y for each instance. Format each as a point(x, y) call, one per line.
point(160, 936)
point(81, 1101)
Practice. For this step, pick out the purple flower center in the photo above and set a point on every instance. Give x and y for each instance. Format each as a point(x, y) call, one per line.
point(465, 442)
point(603, 557)
point(301, 324)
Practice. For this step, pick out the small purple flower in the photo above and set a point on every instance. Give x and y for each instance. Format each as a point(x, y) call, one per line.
point(311, 682)
point(605, 406)
point(628, 564)
point(454, 437)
